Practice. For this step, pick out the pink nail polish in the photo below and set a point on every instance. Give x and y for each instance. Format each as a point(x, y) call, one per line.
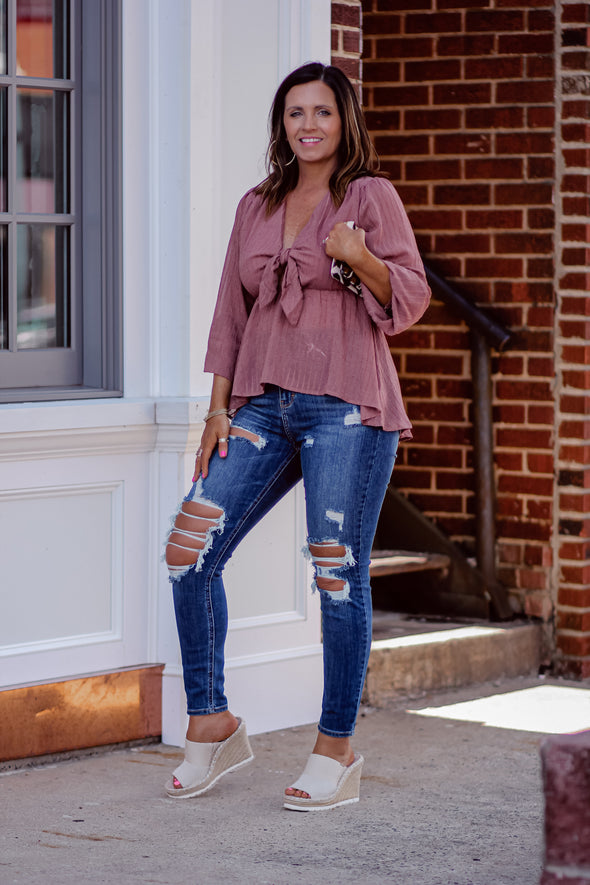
point(223, 454)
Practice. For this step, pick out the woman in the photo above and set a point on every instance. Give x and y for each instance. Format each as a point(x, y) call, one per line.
point(303, 364)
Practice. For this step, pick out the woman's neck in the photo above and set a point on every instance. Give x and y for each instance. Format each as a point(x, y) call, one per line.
point(314, 177)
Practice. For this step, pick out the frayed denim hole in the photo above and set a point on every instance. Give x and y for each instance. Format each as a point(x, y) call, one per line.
point(336, 516)
point(177, 572)
point(215, 529)
point(333, 572)
point(237, 432)
point(351, 419)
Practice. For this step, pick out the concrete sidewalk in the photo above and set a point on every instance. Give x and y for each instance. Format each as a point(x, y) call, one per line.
point(443, 802)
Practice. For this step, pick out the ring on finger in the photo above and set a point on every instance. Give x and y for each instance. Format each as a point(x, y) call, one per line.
point(222, 439)
point(199, 452)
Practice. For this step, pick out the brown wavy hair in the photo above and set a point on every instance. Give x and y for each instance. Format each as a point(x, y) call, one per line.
point(356, 155)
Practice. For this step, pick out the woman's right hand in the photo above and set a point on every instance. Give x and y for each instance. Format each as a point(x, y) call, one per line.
point(216, 433)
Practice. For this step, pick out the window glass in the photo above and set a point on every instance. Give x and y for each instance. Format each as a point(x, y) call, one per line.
point(60, 309)
point(42, 286)
point(3, 150)
point(3, 55)
point(42, 38)
point(42, 150)
point(3, 286)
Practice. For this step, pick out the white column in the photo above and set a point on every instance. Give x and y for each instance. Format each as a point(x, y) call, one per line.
point(236, 54)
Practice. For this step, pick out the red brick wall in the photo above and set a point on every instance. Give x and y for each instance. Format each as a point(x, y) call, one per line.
point(346, 38)
point(573, 342)
point(461, 97)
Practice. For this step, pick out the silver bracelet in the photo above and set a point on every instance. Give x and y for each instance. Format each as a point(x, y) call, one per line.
point(216, 412)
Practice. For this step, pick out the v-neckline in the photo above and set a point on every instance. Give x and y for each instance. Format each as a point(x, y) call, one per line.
point(307, 223)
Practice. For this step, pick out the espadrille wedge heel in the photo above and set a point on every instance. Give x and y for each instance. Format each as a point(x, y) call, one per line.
point(328, 783)
point(205, 764)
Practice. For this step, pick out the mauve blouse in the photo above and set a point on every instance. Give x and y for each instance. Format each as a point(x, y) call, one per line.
point(282, 319)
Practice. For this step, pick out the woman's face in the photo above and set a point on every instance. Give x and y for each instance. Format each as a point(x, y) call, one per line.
point(312, 122)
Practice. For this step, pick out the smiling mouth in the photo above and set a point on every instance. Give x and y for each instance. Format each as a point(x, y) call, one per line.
point(310, 140)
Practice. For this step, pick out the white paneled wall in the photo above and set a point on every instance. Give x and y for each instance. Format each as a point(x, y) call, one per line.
point(74, 519)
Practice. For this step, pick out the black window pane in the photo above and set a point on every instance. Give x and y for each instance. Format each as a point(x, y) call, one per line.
point(43, 286)
point(42, 151)
point(3, 287)
point(3, 150)
point(3, 56)
point(42, 32)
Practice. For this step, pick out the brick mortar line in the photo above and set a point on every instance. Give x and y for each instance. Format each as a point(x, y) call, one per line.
point(463, 81)
point(567, 631)
point(442, 131)
point(423, 158)
point(426, 59)
point(570, 609)
point(508, 449)
point(512, 474)
point(527, 497)
point(494, 105)
point(578, 659)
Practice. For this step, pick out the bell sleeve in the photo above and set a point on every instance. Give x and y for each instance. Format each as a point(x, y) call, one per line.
point(231, 309)
point(389, 236)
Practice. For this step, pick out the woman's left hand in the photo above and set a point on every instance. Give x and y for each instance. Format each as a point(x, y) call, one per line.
point(345, 244)
point(348, 244)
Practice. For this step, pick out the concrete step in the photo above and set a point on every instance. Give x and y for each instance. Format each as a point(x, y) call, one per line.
point(411, 656)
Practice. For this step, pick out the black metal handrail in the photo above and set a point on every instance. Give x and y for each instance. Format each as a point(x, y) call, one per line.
point(485, 333)
point(495, 334)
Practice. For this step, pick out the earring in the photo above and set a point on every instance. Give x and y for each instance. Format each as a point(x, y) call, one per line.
point(291, 160)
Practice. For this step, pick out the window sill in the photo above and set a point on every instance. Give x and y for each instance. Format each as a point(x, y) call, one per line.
point(29, 431)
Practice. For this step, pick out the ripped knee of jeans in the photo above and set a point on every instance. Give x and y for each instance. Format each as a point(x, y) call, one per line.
point(330, 560)
point(191, 535)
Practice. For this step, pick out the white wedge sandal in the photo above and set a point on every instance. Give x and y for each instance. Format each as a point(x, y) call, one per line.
point(328, 783)
point(205, 764)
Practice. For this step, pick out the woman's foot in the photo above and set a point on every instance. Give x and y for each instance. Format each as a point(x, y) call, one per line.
point(333, 747)
point(210, 729)
point(206, 761)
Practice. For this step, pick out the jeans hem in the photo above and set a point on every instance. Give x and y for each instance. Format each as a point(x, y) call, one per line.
point(337, 734)
point(208, 711)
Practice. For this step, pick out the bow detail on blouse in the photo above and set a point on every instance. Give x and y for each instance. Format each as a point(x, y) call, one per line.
point(287, 288)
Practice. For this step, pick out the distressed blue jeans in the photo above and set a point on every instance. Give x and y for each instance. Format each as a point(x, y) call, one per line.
point(276, 439)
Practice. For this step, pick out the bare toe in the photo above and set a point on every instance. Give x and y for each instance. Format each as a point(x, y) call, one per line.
point(300, 794)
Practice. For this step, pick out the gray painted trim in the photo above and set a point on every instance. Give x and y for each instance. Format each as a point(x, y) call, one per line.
point(112, 215)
